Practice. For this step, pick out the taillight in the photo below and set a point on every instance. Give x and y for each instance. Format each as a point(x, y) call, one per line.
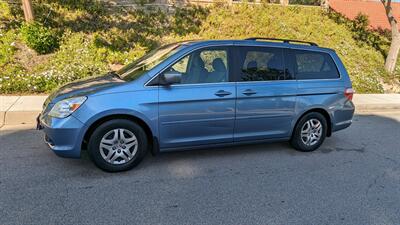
point(348, 93)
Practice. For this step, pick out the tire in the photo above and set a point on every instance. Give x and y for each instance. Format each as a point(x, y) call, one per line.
point(125, 140)
point(307, 142)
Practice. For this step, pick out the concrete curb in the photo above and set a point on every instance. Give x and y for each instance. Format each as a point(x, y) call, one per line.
point(377, 107)
point(20, 109)
point(24, 109)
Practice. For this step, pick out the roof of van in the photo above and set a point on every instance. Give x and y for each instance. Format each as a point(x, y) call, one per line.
point(271, 42)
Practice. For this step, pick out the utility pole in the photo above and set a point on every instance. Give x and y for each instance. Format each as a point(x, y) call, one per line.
point(28, 12)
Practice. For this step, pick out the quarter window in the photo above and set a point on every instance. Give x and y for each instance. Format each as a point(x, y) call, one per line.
point(314, 65)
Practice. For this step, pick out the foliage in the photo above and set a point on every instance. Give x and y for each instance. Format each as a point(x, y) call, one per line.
point(364, 63)
point(5, 12)
point(188, 20)
point(40, 38)
point(305, 2)
point(96, 36)
point(7, 46)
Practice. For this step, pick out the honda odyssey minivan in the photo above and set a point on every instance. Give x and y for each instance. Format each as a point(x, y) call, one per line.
point(199, 94)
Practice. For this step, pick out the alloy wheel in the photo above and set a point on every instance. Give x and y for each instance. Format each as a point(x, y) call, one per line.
point(311, 132)
point(118, 146)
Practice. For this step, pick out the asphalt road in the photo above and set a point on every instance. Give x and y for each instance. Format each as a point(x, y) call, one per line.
point(354, 178)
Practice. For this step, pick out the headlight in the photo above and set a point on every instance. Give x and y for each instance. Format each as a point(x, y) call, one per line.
point(66, 107)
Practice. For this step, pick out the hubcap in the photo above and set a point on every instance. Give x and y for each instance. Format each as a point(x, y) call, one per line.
point(311, 132)
point(118, 146)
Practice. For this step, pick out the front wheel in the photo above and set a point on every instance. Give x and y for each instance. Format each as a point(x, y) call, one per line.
point(117, 145)
point(310, 132)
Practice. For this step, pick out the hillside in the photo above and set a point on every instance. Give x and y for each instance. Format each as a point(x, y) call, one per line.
point(89, 38)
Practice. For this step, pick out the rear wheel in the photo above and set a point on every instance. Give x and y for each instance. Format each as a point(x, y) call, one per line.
point(310, 132)
point(117, 145)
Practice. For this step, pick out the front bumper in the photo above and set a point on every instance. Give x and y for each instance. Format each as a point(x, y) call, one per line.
point(63, 136)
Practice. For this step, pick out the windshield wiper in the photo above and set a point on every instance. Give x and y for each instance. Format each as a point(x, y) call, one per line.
point(113, 73)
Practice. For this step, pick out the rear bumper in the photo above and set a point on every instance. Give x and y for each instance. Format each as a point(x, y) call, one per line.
point(343, 117)
point(63, 136)
point(341, 125)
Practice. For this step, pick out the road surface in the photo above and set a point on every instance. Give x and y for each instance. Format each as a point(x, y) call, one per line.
point(354, 178)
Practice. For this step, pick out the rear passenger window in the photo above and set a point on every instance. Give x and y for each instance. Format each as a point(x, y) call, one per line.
point(261, 64)
point(314, 65)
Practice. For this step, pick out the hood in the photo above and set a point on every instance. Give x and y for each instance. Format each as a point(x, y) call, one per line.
point(84, 87)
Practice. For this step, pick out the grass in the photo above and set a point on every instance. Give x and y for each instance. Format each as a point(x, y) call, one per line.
point(94, 37)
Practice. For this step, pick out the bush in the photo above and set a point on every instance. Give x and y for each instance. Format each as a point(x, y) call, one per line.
point(40, 38)
point(305, 2)
point(7, 47)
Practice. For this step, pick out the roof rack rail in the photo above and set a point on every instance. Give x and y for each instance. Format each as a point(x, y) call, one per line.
point(279, 39)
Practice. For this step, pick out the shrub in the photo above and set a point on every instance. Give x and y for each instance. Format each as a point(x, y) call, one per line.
point(77, 58)
point(5, 13)
point(305, 2)
point(42, 39)
point(7, 48)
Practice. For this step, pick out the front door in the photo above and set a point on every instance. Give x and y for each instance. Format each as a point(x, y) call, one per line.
point(201, 108)
point(266, 94)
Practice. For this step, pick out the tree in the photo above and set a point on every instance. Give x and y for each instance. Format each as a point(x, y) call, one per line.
point(391, 59)
point(28, 12)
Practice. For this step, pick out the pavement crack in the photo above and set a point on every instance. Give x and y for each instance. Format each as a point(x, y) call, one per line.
point(6, 111)
point(373, 183)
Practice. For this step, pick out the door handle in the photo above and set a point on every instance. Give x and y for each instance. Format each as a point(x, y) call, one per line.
point(249, 92)
point(222, 93)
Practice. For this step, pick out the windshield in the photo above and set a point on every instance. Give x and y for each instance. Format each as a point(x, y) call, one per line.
point(147, 62)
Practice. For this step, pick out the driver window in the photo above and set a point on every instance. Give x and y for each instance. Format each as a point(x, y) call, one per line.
point(203, 66)
point(181, 65)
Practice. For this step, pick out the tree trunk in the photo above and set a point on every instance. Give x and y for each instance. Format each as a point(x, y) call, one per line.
point(391, 59)
point(325, 4)
point(284, 2)
point(28, 12)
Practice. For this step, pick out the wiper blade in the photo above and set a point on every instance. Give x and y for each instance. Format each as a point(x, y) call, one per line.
point(114, 73)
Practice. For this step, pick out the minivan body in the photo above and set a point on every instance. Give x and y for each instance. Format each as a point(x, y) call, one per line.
point(198, 94)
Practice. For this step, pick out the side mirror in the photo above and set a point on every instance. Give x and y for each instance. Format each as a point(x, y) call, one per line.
point(170, 77)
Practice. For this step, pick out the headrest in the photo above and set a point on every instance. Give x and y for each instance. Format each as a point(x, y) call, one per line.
point(252, 65)
point(218, 65)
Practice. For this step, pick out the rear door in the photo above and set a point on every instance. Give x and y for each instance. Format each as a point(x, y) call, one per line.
point(201, 109)
point(266, 94)
point(319, 82)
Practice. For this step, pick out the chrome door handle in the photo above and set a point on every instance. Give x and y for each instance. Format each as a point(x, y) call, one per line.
point(249, 92)
point(222, 93)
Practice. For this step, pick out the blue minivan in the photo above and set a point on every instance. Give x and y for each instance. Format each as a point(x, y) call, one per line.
point(199, 94)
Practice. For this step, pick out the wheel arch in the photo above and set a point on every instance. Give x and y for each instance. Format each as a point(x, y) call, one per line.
point(146, 127)
point(320, 110)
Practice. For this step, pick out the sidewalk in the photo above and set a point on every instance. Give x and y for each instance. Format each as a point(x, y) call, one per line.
point(24, 109)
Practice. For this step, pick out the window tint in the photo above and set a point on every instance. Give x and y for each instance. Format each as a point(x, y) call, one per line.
point(261, 64)
point(314, 65)
point(203, 66)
